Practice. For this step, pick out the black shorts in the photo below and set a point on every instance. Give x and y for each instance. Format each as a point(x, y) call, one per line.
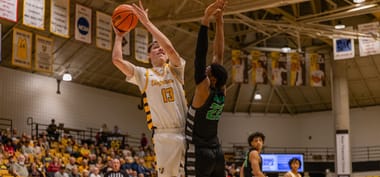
point(204, 162)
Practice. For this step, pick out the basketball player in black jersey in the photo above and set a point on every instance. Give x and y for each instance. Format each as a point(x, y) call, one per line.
point(252, 165)
point(204, 156)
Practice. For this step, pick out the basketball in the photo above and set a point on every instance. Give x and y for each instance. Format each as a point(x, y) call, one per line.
point(123, 18)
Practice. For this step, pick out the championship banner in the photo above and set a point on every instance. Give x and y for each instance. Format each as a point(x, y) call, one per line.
point(369, 46)
point(279, 68)
point(259, 74)
point(141, 45)
point(34, 14)
point(22, 48)
point(237, 66)
point(126, 44)
point(8, 10)
point(103, 31)
point(44, 54)
point(83, 23)
point(344, 47)
point(60, 18)
point(317, 69)
point(297, 69)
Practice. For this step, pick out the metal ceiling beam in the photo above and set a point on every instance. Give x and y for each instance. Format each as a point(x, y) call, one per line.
point(252, 99)
point(269, 100)
point(339, 13)
point(283, 101)
point(237, 95)
point(232, 8)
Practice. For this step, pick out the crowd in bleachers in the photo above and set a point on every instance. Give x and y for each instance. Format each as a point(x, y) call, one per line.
point(49, 155)
point(26, 155)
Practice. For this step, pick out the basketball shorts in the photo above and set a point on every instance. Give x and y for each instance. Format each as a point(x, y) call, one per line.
point(169, 145)
point(204, 162)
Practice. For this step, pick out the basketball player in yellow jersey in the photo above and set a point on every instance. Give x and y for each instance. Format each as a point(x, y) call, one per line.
point(164, 99)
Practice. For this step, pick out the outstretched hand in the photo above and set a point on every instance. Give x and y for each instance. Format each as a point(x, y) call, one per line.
point(216, 8)
point(118, 32)
point(141, 13)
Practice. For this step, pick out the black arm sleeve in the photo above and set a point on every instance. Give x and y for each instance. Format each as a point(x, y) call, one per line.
point(200, 55)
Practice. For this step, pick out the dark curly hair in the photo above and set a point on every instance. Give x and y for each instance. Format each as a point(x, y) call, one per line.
point(294, 159)
point(254, 135)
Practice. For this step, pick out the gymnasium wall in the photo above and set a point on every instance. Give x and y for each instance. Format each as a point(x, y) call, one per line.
point(25, 95)
point(301, 130)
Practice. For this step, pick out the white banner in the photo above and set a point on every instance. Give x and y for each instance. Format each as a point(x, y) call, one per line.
point(343, 48)
point(369, 46)
point(44, 54)
point(8, 10)
point(60, 17)
point(141, 45)
point(22, 48)
point(126, 44)
point(103, 31)
point(34, 14)
point(83, 23)
point(343, 158)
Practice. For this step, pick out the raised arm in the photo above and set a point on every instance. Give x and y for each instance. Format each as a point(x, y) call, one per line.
point(162, 40)
point(117, 55)
point(254, 157)
point(219, 37)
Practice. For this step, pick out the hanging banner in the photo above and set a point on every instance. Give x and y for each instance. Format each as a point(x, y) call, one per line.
point(237, 66)
point(344, 47)
point(83, 23)
point(369, 46)
point(259, 62)
point(141, 45)
point(126, 44)
point(297, 69)
point(343, 156)
point(103, 31)
point(8, 10)
point(22, 48)
point(34, 14)
point(44, 54)
point(279, 68)
point(60, 17)
point(317, 69)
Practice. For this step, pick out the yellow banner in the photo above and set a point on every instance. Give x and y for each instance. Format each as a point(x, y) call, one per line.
point(22, 48)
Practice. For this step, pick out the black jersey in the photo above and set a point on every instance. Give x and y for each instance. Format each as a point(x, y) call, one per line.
point(247, 167)
point(202, 123)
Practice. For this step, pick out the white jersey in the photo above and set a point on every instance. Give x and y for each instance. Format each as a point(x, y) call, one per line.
point(163, 95)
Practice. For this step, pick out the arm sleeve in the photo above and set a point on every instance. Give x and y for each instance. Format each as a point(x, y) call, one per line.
point(200, 55)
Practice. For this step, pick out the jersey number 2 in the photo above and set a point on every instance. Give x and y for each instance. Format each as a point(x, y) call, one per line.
point(167, 95)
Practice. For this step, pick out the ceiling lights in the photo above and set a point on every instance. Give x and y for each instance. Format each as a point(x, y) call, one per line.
point(67, 76)
point(358, 1)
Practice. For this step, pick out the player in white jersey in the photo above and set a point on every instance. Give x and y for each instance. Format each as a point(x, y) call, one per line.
point(163, 95)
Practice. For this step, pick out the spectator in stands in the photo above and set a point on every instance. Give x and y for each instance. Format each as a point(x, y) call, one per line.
point(74, 172)
point(85, 173)
point(294, 165)
point(19, 168)
point(8, 148)
point(95, 172)
point(116, 172)
point(116, 130)
point(71, 165)
point(61, 172)
point(53, 167)
point(252, 165)
point(34, 171)
point(52, 130)
point(143, 141)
